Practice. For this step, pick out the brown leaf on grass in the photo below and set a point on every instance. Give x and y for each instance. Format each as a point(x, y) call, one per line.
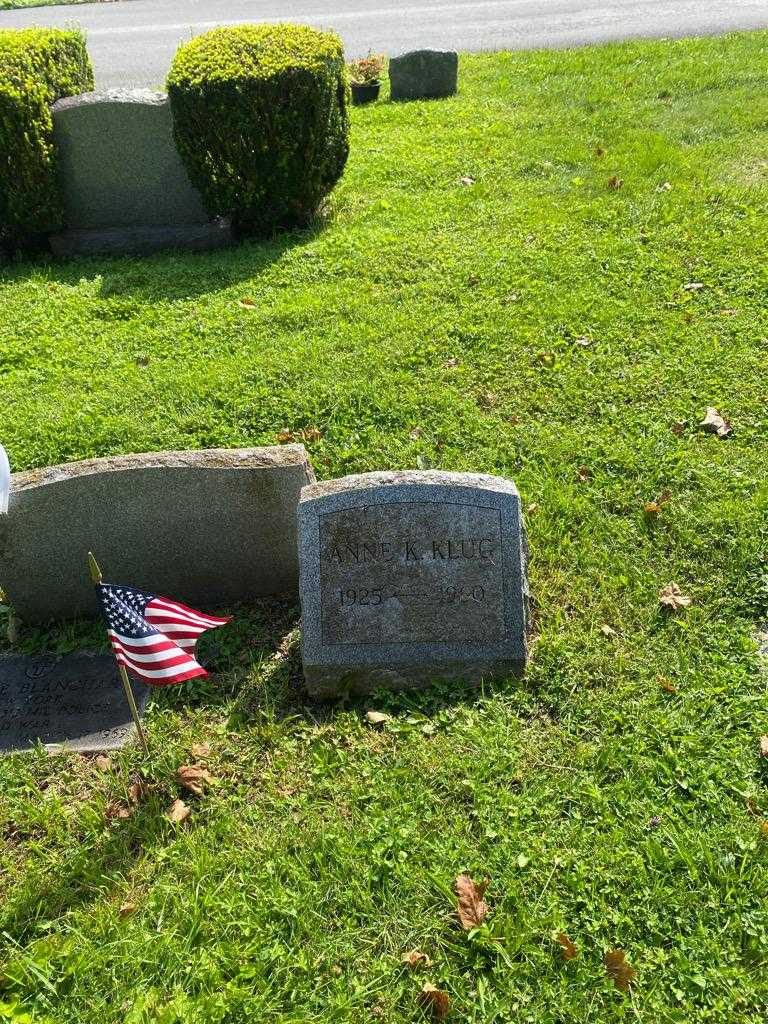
point(568, 948)
point(467, 180)
point(377, 717)
point(451, 363)
point(667, 684)
point(678, 428)
point(618, 970)
point(285, 436)
point(200, 750)
point(653, 508)
point(693, 286)
point(194, 778)
point(673, 598)
point(472, 908)
point(607, 630)
point(138, 791)
point(416, 959)
point(310, 434)
point(714, 423)
point(487, 399)
point(178, 812)
point(435, 1001)
point(615, 182)
point(583, 474)
point(103, 763)
point(117, 809)
point(247, 304)
point(126, 909)
point(764, 746)
point(416, 433)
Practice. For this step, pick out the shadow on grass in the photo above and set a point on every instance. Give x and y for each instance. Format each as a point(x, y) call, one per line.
point(171, 275)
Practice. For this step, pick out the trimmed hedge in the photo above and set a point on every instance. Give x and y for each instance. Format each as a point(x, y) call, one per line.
point(37, 67)
point(261, 118)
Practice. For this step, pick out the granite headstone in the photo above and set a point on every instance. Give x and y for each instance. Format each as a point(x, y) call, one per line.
point(76, 702)
point(209, 528)
point(424, 75)
point(125, 187)
point(409, 577)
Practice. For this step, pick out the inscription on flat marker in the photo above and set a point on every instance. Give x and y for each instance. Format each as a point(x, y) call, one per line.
point(76, 702)
point(408, 577)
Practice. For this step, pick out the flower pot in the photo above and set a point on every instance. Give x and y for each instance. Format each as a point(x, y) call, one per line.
point(365, 93)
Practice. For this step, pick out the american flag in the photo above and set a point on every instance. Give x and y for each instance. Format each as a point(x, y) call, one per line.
point(152, 636)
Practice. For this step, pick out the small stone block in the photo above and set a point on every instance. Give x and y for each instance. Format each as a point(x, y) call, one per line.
point(424, 75)
point(409, 577)
point(75, 702)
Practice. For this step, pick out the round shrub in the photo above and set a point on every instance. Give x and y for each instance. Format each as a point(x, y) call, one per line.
point(37, 67)
point(261, 118)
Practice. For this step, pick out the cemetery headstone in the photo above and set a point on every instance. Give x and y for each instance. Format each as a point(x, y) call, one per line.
point(124, 184)
point(76, 701)
point(210, 527)
point(424, 75)
point(408, 577)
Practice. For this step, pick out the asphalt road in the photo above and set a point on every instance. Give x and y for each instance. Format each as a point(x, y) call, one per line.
point(132, 42)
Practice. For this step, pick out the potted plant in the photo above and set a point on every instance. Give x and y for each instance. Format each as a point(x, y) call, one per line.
point(365, 76)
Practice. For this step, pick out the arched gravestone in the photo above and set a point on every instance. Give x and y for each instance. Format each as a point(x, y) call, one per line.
point(125, 187)
point(209, 528)
point(410, 577)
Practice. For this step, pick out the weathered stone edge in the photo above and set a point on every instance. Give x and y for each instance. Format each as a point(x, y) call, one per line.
point(395, 478)
point(271, 457)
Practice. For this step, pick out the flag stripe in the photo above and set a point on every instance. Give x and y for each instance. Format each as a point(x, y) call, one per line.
point(209, 621)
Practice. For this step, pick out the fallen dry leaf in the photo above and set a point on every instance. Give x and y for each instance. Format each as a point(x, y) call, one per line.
point(599, 152)
point(583, 474)
point(568, 948)
point(487, 399)
point(377, 717)
point(126, 909)
point(194, 778)
point(117, 809)
point(103, 763)
point(673, 598)
point(583, 341)
point(138, 791)
point(285, 436)
point(435, 1000)
point(200, 750)
point(665, 186)
point(451, 363)
point(247, 304)
point(615, 182)
point(472, 908)
point(467, 180)
point(416, 433)
point(693, 286)
point(416, 959)
point(178, 812)
point(667, 684)
point(311, 434)
point(764, 746)
point(607, 630)
point(678, 428)
point(714, 423)
point(533, 507)
point(618, 970)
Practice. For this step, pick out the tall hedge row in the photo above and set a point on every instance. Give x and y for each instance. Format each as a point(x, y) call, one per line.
point(261, 116)
point(37, 67)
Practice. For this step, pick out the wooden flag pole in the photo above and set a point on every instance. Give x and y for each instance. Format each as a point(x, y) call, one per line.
point(93, 566)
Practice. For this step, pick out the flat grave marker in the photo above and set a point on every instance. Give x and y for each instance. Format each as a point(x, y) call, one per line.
point(410, 577)
point(75, 702)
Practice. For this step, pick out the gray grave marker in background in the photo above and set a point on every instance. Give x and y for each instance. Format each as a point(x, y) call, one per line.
point(76, 701)
point(410, 577)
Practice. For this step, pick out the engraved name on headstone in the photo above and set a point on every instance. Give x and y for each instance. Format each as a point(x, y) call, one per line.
point(75, 701)
point(409, 577)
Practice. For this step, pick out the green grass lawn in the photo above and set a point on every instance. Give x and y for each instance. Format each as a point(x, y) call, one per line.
point(15, 5)
point(539, 323)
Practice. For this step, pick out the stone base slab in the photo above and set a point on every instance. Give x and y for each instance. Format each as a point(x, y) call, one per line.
point(139, 241)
